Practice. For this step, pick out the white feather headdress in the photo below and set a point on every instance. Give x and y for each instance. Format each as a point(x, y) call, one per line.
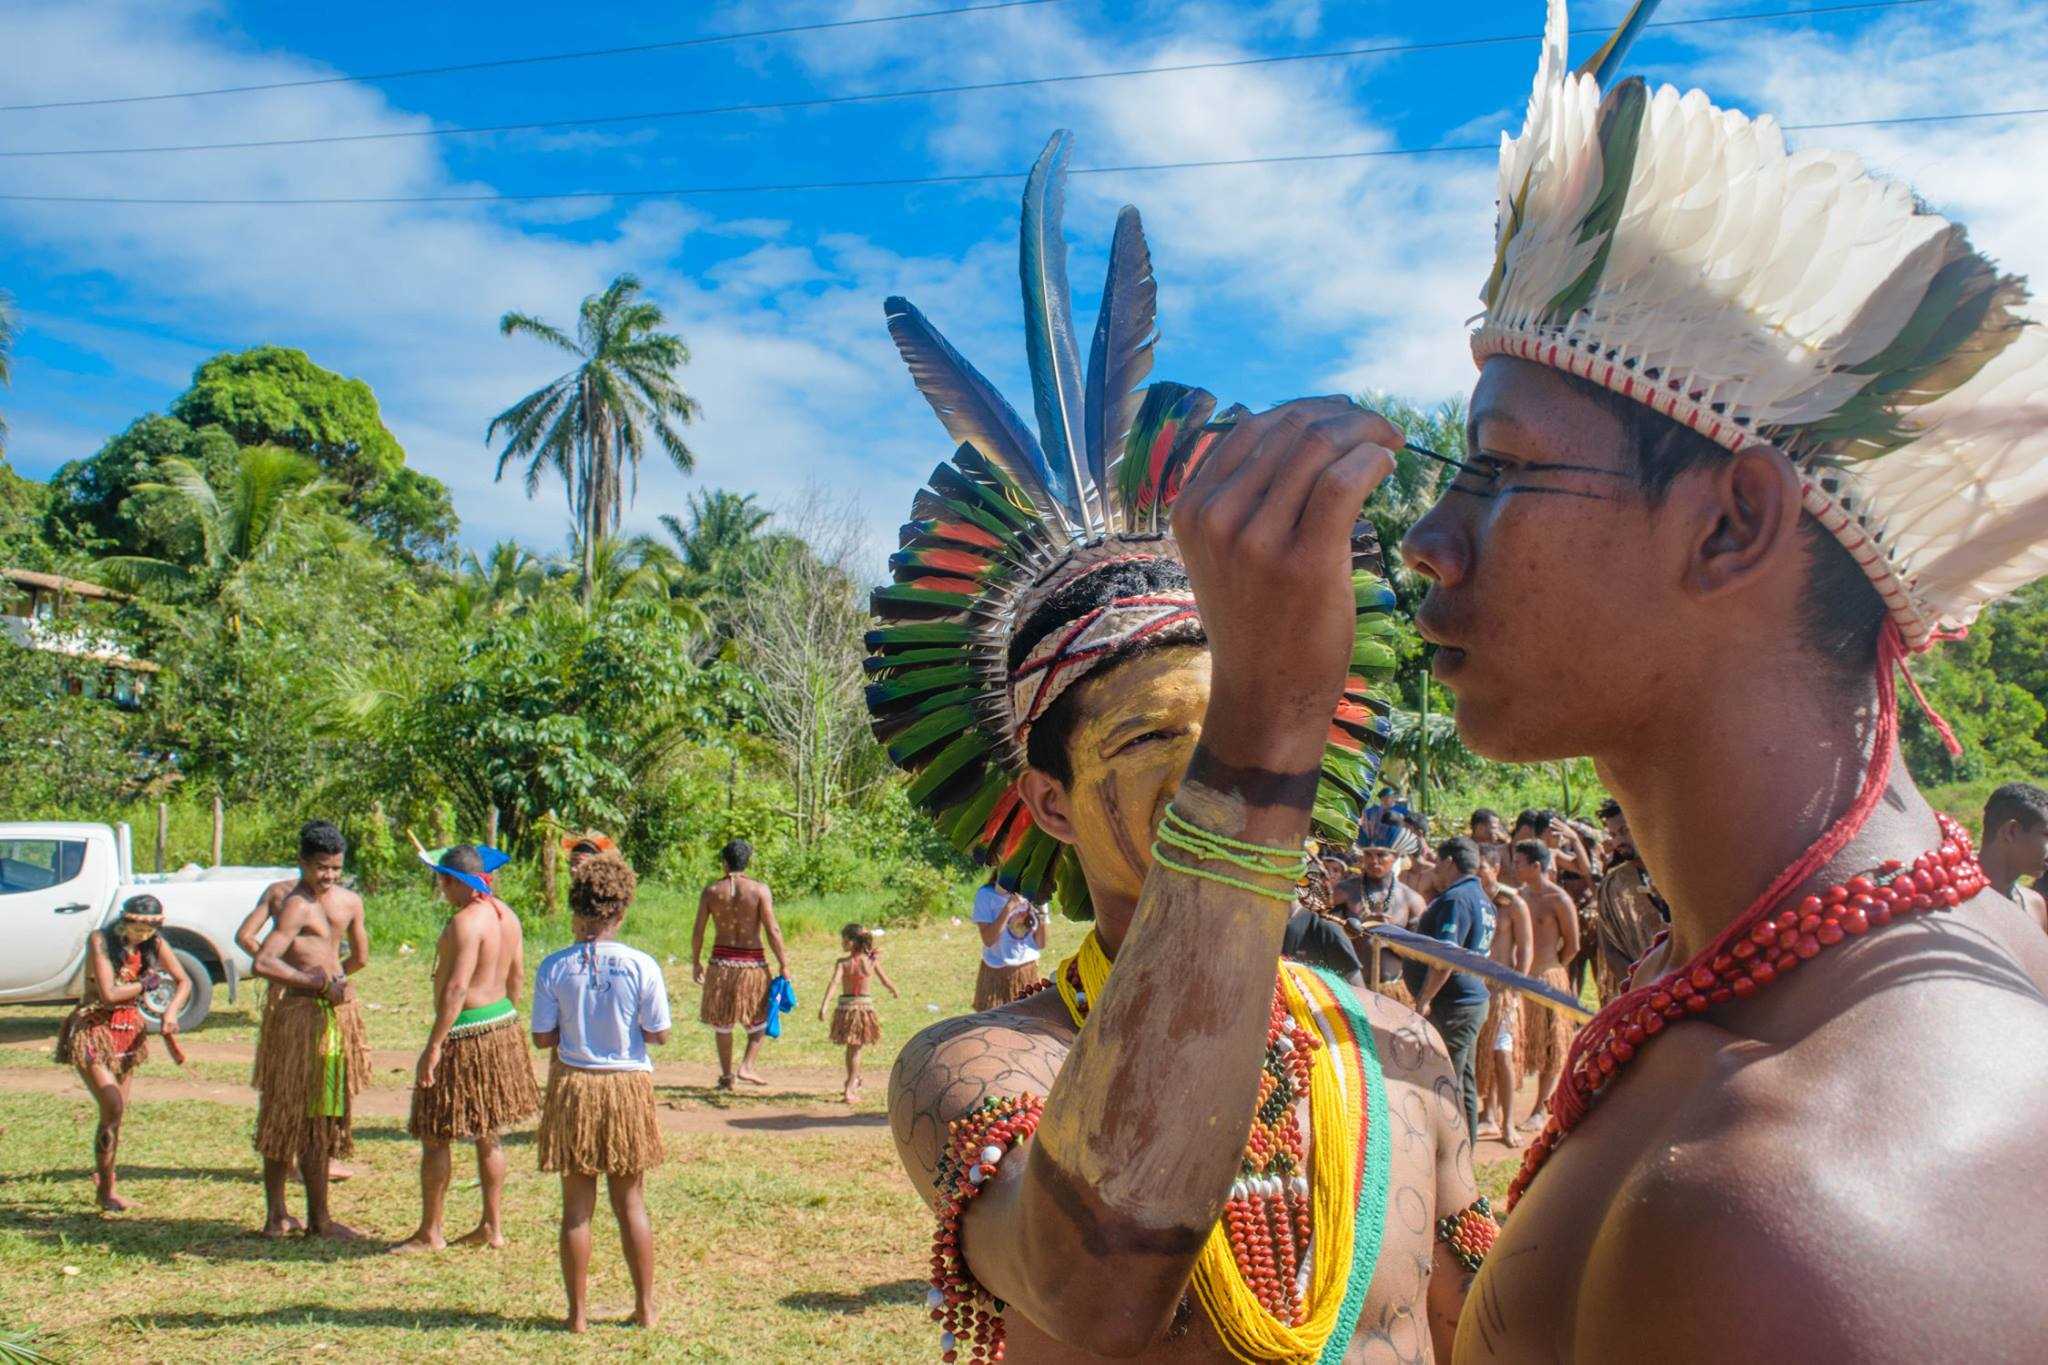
point(1680, 255)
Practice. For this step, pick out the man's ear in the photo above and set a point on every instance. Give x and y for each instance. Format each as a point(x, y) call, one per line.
point(1748, 512)
point(1047, 798)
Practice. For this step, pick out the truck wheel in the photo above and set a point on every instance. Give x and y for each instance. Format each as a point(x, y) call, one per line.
point(197, 1005)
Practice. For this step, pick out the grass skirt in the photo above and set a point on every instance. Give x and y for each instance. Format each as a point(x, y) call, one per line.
point(271, 993)
point(1000, 985)
point(484, 1085)
point(1546, 1034)
point(599, 1122)
point(856, 1023)
point(288, 1081)
point(735, 995)
point(94, 1035)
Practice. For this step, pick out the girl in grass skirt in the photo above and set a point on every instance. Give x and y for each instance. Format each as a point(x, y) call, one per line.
point(854, 1022)
point(597, 1004)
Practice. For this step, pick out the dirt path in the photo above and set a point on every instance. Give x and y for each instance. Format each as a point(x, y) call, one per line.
point(798, 1100)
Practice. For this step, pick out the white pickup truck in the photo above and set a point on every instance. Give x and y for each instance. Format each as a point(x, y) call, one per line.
point(60, 882)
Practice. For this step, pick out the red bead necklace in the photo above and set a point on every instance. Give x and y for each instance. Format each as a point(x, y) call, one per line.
point(1725, 971)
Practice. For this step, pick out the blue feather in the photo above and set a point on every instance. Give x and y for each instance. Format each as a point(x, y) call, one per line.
point(1602, 65)
point(973, 412)
point(1120, 356)
point(1054, 354)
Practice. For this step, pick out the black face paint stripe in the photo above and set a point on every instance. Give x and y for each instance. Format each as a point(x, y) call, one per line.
point(1554, 468)
point(1560, 492)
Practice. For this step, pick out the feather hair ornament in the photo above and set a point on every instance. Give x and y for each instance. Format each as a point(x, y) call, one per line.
point(1681, 255)
point(1011, 518)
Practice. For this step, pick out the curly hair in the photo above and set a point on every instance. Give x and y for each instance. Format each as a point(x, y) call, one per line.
point(602, 887)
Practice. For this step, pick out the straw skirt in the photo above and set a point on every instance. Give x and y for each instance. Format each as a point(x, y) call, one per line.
point(483, 1086)
point(298, 1111)
point(599, 1122)
point(855, 1022)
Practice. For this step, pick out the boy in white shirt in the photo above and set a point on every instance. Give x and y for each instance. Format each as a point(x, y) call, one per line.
point(598, 1004)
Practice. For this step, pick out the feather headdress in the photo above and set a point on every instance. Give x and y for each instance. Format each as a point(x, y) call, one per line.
point(1012, 517)
point(1680, 255)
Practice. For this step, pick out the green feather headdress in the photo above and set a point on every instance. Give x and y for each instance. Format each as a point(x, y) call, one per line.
point(1013, 516)
point(1680, 255)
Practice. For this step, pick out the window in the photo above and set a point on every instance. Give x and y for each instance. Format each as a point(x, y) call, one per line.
point(38, 864)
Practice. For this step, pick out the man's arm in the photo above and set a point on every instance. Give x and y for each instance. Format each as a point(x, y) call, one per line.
point(270, 964)
point(515, 957)
point(358, 939)
point(1525, 935)
point(249, 933)
point(773, 931)
point(454, 963)
point(1567, 916)
point(697, 936)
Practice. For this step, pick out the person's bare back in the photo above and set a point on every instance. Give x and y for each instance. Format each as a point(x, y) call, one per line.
point(484, 942)
point(735, 903)
point(1019, 1049)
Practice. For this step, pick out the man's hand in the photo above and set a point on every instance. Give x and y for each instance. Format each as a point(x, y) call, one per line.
point(697, 973)
point(1265, 529)
point(430, 1062)
point(337, 988)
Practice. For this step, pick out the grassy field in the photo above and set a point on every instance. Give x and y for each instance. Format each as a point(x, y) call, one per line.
point(785, 1229)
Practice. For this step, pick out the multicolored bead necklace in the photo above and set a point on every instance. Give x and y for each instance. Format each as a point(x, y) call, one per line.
point(1737, 966)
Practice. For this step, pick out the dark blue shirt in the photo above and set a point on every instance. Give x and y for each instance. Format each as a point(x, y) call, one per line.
point(1463, 916)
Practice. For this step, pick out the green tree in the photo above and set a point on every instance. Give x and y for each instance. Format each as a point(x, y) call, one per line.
point(592, 425)
point(93, 504)
point(219, 536)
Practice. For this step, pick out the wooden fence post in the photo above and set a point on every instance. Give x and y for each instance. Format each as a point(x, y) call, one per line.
point(220, 818)
point(550, 850)
point(163, 833)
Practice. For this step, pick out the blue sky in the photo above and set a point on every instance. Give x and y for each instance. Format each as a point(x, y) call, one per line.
point(1275, 280)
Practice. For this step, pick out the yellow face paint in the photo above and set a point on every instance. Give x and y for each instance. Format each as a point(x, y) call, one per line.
point(1137, 728)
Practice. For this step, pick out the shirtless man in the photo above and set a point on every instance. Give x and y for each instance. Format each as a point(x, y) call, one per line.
point(1500, 1038)
point(2016, 845)
point(1809, 1131)
point(1383, 898)
point(1546, 1034)
point(475, 1075)
point(321, 852)
point(736, 988)
point(312, 1054)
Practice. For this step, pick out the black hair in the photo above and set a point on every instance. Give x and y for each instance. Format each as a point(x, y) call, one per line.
point(1536, 852)
point(736, 855)
point(1483, 814)
point(1842, 613)
point(2015, 801)
point(318, 839)
point(1461, 852)
point(464, 858)
point(1046, 745)
point(1610, 808)
point(1537, 821)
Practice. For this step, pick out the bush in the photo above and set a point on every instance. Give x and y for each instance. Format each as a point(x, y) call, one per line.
point(919, 892)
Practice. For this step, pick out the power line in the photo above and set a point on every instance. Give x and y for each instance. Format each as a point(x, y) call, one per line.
point(705, 41)
point(977, 87)
point(895, 182)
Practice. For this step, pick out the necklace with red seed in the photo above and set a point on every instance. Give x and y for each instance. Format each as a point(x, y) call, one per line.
point(1775, 945)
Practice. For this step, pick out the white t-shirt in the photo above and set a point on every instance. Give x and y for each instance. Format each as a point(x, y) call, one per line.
point(1008, 950)
point(601, 1015)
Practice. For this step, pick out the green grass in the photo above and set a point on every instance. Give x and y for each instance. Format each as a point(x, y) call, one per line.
point(794, 1246)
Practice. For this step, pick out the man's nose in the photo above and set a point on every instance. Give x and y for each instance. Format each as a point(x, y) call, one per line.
point(1433, 546)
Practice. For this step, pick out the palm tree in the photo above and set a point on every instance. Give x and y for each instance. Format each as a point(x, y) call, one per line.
point(227, 532)
point(597, 420)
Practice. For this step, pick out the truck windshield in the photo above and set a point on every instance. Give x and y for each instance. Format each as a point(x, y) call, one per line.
point(38, 864)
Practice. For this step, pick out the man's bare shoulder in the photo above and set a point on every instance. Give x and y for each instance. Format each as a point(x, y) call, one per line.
point(949, 1068)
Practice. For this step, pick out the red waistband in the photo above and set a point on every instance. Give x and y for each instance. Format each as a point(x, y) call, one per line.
point(724, 954)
